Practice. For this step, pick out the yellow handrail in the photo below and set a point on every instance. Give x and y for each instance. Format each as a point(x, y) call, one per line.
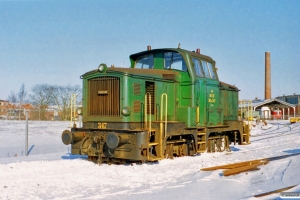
point(243, 110)
point(248, 108)
point(198, 115)
point(251, 108)
point(161, 112)
point(145, 111)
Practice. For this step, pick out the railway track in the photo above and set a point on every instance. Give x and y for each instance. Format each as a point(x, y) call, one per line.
point(290, 126)
point(266, 147)
point(239, 167)
point(278, 130)
point(290, 131)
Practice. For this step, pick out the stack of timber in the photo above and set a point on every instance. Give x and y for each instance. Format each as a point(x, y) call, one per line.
point(236, 168)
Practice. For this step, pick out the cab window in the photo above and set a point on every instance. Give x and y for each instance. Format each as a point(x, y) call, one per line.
point(173, 60)
point(211, 70)
point(145, 62)
point(205, 69)
point(208, 69)
point(197, 67)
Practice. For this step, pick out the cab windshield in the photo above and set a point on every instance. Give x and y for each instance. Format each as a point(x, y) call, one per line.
point(145, 62)
point(174, 60)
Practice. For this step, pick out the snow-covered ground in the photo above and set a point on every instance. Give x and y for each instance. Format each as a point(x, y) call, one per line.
point(50, 172)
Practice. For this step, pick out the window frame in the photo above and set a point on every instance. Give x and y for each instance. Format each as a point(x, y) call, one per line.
point(142, 57)
point(200, 67)
point(183, 64)
point(210, 69)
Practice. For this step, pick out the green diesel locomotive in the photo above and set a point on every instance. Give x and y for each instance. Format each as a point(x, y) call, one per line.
point(170, 102)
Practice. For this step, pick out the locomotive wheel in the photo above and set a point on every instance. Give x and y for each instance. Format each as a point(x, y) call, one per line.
point(93, 158)
point(226, 143)
point(211, 146)
point(218, 144)
point(169, 151)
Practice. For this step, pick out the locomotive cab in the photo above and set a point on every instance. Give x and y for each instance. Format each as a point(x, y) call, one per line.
point(170, 102)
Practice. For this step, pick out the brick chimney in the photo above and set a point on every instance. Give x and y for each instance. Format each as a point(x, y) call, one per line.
point(267, 75)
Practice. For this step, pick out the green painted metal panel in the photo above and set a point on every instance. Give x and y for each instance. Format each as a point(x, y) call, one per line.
point(197, 101)
point(187, 115)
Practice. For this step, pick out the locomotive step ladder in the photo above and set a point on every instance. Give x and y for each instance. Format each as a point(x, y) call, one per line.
point(201, 142)
point(159, 136)
point(153, 146)
point(246, 134)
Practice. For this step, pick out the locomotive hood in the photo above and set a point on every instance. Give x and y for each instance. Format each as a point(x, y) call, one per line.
point(156, 74)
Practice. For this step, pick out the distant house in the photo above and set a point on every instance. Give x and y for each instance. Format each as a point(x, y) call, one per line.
point(3, 108)
point(268, 109)
point(14, 111)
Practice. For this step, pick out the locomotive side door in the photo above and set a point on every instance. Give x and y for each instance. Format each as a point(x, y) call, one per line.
point(200, 93)
point(213, 108)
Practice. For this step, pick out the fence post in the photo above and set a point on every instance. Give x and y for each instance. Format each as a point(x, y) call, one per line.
point(26, 134)
point(73, 109)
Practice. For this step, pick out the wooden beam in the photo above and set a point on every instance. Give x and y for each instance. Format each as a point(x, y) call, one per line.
point(234, 165)
point(274, 191)
point(238, 170)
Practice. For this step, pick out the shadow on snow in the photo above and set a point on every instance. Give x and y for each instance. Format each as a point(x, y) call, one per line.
point(72, 157)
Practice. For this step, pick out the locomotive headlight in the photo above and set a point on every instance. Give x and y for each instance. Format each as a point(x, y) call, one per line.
point(79, 111)
point(126, 111)
point(102, 67)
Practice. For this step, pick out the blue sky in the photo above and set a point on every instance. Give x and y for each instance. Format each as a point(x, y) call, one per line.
point(54, 42)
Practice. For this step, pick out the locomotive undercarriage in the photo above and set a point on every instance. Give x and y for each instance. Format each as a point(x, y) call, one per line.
point(134, 143)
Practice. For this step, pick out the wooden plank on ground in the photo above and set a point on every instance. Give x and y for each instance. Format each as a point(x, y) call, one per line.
point(234, 165)
point(245, 168)
point(274, 191)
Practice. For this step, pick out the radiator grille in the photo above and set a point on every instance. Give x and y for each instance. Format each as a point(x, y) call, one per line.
point(150, 89)
point(136, 89)
point(136, 106)
point(104, 96)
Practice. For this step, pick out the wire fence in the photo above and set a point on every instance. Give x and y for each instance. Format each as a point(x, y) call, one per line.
point(44, 137)
point(270, 117)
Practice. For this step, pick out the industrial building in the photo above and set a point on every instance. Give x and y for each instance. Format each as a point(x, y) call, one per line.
point(282, 107)
point(293, 99)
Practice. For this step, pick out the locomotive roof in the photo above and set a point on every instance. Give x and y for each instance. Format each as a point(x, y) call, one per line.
point(136, 55)
point(232, 87)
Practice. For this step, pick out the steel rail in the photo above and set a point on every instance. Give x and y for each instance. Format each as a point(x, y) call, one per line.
point(279, 134)
point(272, 132)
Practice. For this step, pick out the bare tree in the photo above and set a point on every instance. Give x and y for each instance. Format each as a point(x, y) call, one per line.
point(62, 96)
point(21, 97)
point(42, 98)
point(12, 98)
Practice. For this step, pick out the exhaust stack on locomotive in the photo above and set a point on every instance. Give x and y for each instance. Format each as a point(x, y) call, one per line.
point(170, 102)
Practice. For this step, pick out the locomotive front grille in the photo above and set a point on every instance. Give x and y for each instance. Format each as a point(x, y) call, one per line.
point(150, 87)
point(104, 96)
